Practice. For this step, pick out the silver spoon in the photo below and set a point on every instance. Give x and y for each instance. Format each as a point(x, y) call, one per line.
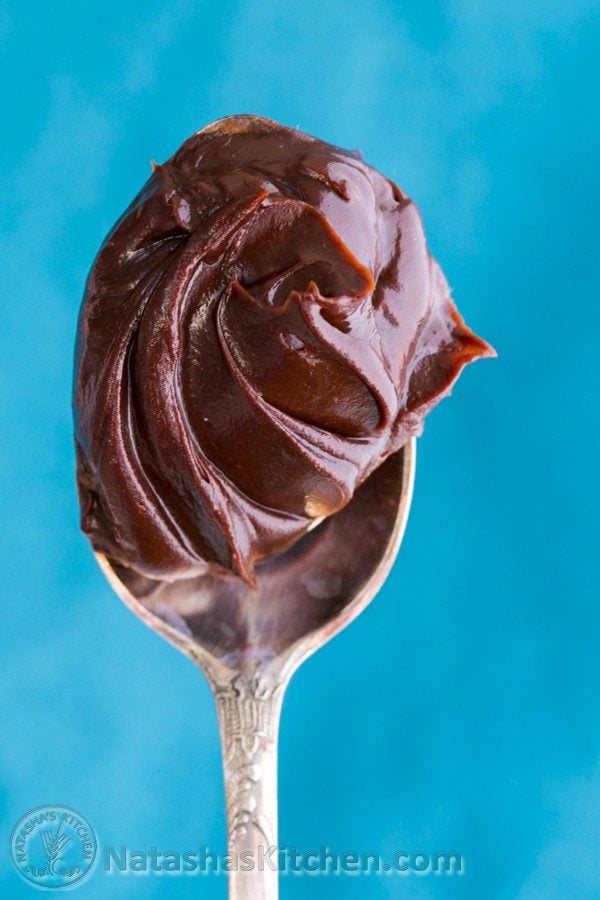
point(249, 642)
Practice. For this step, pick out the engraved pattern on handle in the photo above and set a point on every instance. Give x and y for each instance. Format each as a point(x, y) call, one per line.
point(248, 707)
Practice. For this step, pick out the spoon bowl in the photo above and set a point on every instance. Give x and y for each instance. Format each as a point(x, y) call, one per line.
point(302, 598)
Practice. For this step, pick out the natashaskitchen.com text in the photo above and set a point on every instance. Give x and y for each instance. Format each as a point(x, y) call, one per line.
point(121, 860)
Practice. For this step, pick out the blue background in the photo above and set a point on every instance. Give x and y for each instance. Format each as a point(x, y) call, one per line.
point(461, 711)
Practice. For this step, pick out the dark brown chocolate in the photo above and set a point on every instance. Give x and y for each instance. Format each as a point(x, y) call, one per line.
point(260, 330)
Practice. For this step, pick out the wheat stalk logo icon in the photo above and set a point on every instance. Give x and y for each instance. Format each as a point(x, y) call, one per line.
point(53, 843)
point(53, 846)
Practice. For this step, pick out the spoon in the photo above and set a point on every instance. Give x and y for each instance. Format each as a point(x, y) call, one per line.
point(249, 641)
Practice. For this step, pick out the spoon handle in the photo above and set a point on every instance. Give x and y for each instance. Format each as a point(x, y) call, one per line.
point(248, 707)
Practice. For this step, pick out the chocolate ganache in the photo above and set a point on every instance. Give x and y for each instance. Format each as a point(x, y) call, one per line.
point(262, 328)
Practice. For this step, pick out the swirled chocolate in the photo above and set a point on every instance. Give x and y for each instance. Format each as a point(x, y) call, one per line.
point(262, 327)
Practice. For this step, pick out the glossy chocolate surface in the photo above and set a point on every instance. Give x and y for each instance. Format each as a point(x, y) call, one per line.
point(261, 329)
